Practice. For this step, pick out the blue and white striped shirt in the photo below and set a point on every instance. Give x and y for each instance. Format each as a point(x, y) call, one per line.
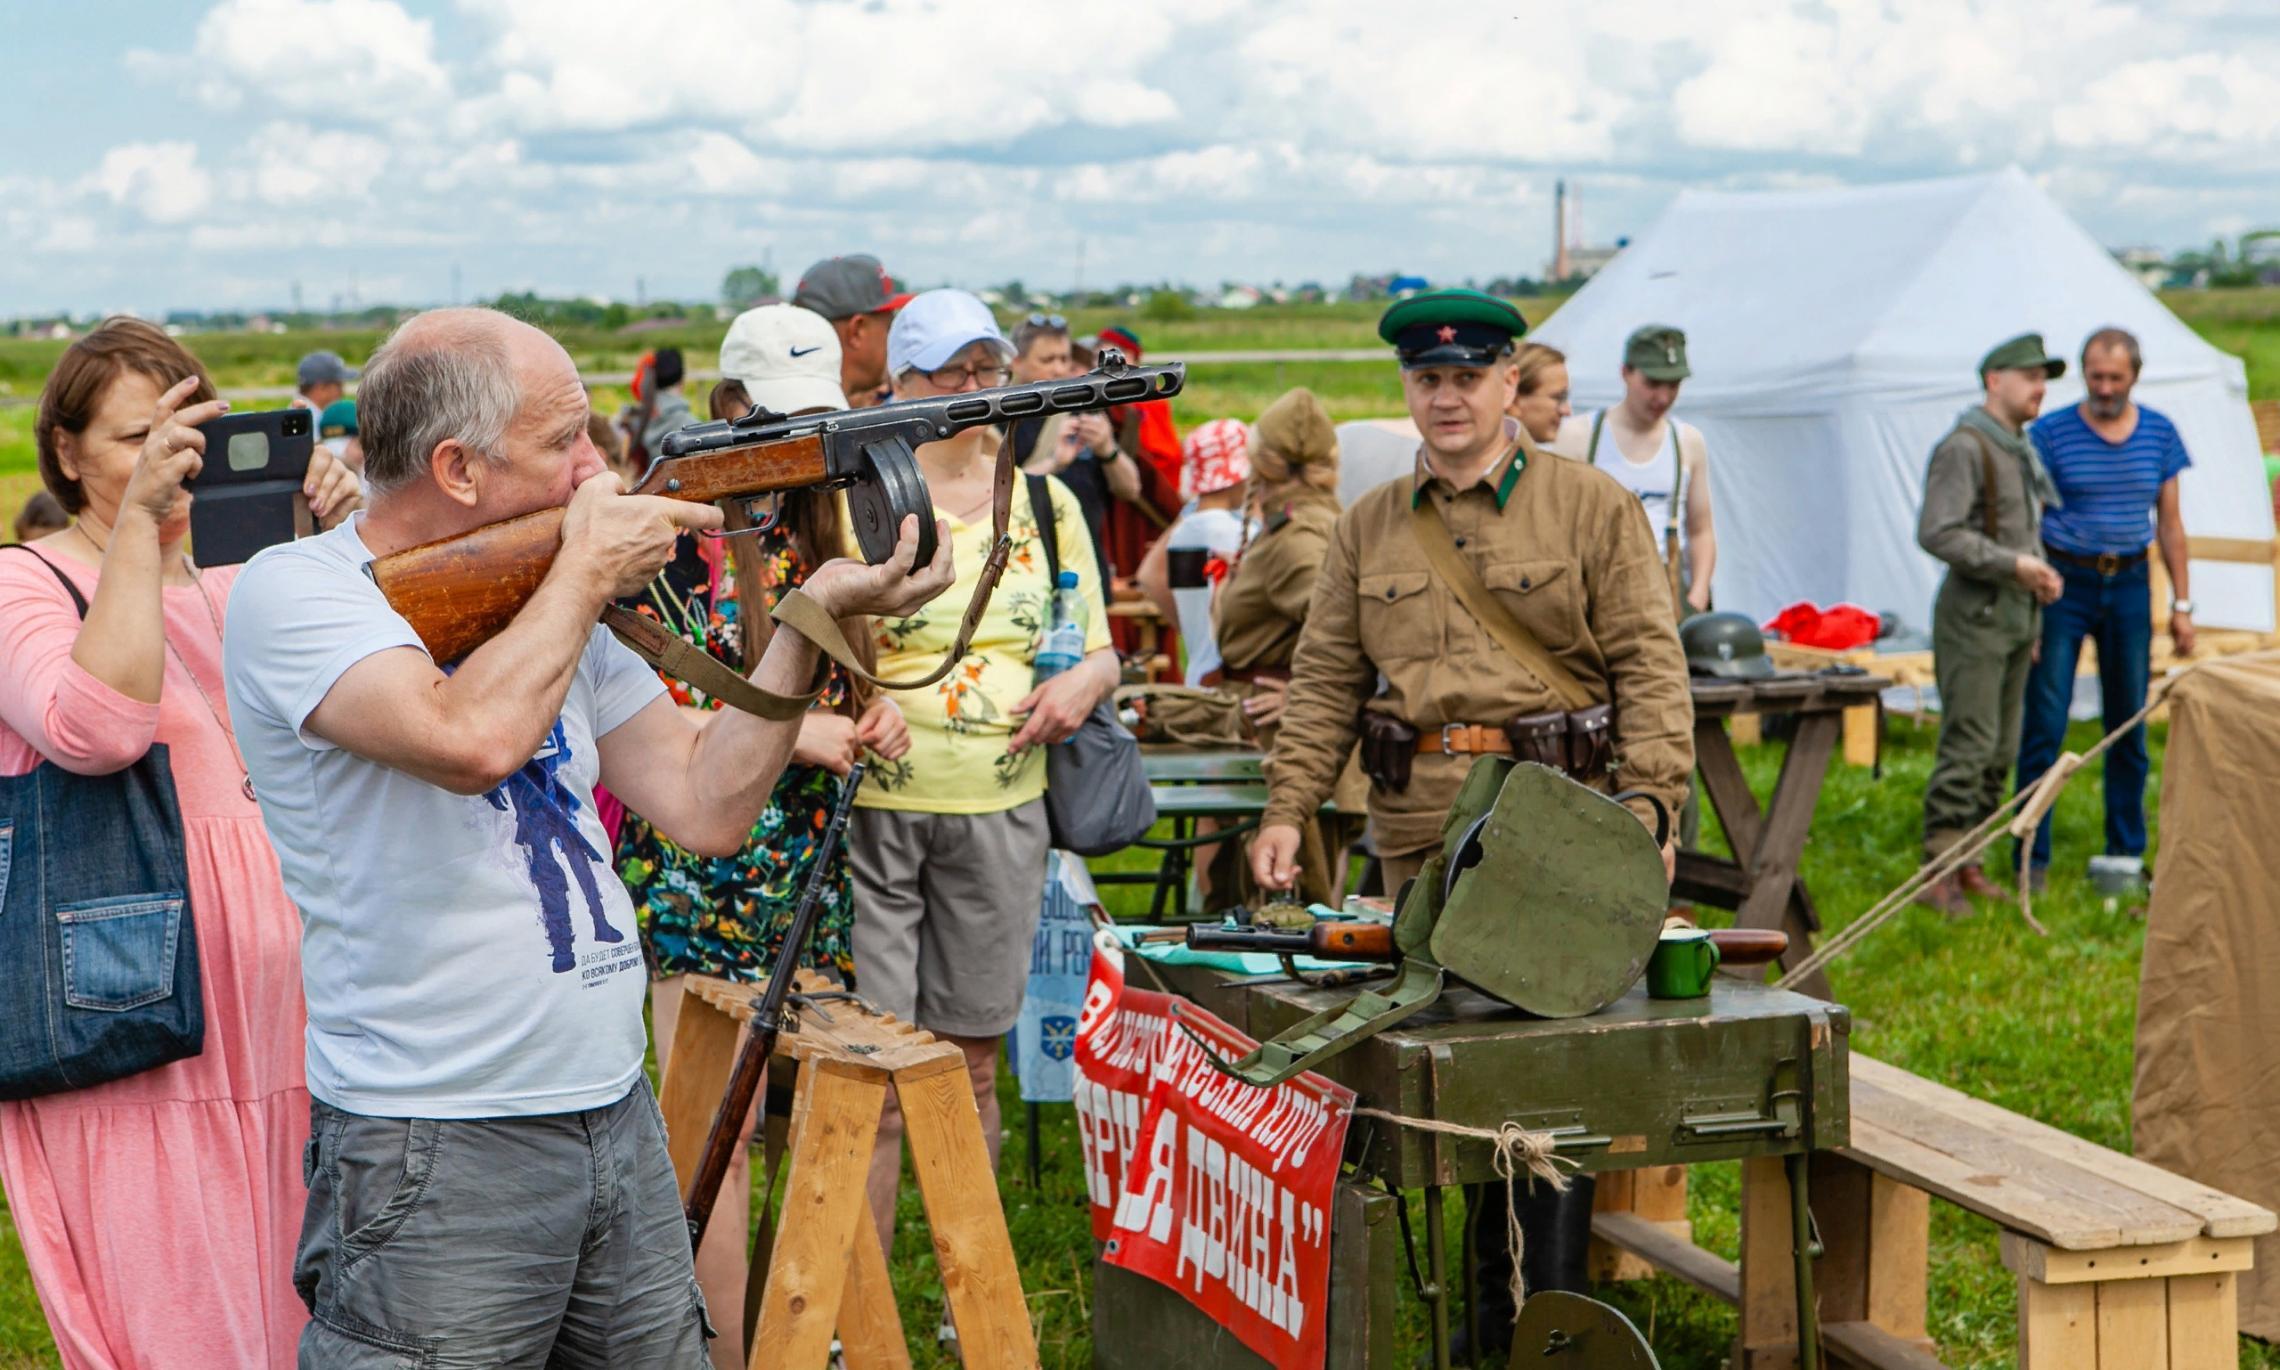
point(2109, 489)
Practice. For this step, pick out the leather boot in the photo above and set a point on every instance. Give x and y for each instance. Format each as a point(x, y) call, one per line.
point(1556, 1230)
point(1976, 883)
point(1945, 895)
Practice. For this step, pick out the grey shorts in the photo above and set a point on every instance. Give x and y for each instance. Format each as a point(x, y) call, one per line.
point(946, 905)
point(546, 1241)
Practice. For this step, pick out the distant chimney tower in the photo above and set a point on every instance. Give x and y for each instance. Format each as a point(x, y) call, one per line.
point(1559, 230)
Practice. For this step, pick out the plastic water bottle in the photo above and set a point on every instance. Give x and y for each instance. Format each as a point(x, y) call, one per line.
point(1064, 644)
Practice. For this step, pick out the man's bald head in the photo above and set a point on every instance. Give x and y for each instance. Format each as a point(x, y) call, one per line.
point(448, 375)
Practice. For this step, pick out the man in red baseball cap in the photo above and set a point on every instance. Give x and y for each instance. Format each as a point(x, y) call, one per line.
point(860, 299)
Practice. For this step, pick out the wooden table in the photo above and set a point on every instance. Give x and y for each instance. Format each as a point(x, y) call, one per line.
point(1760, 881)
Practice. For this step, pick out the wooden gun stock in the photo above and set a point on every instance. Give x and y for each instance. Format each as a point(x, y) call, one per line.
point(459, 592)
point(1328, 940)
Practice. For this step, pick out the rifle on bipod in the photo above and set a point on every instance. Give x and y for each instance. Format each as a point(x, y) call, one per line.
point(768, 1017)
point(458, 592)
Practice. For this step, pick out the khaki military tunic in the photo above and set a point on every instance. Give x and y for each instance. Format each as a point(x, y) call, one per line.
point(1563, 546)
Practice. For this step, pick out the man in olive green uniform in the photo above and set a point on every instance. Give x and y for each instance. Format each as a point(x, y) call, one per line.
point(1984, 496)
point(1562, 547)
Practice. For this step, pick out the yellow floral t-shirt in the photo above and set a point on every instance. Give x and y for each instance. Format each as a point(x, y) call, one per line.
point(957, 762)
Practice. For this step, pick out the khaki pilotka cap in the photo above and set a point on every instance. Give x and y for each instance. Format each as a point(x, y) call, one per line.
point(1658, 352)
point(2023, 353)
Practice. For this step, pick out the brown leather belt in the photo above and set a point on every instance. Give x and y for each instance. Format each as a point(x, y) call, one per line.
point(2105, 563)
point(1458, 739)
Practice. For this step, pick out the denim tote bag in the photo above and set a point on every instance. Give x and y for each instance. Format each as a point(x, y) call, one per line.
point(95, 925)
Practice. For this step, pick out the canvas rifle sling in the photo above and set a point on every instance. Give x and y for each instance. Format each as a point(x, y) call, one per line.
point(690, 665)
point(1458, 574)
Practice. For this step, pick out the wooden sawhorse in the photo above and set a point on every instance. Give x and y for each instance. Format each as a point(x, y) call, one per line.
point(827, 1271)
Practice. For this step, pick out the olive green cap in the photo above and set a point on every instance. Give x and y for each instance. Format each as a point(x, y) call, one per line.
point(1657, 351)
point(2023, 353)
point(1452, 327)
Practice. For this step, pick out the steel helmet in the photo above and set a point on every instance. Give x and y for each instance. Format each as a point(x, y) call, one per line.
point(1725, 646)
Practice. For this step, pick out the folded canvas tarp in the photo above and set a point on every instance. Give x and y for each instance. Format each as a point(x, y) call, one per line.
point(2208, 1037)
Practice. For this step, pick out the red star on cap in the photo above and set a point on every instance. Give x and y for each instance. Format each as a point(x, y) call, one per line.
point(1447, 334)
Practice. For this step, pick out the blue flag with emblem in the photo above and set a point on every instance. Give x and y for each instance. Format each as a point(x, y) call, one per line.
point(1060, 960)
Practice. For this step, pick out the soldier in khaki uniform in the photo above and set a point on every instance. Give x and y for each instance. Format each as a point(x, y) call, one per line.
point(1984, 496)
point(1562, 547)
point(1262, 607)
point(1560, 544)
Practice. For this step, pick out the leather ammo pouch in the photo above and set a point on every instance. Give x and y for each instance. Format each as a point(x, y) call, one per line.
point(1388, 750)
point(1591, 742)
point(1541, 738)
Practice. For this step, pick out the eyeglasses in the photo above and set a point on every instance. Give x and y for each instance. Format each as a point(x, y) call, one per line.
point(982, 375)
point(1052, 321)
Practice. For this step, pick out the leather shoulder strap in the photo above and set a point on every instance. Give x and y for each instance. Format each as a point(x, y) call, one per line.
point(669, 652)
point(1048, 533)
point(1458, 574)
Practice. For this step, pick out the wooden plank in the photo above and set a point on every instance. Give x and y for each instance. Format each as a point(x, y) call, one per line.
point(1862, 734)
point(1656, 1195)
point(698, 1066)
point(1769, 1276)
point(973, 1252)
point(1788, 819)
point(2204, 1322)
point(835, 1120)
point(1900, 1258)
point(2196, 1256)
point(1682, 1260)
point(2221, 1214)
point(2248, 551)
point(1864, 1343)
point(870, 1327)
point(2058, 1326)
point(1992, 1175)
point(1728, 790)
point(2133, 1324)
point(1839, 1189)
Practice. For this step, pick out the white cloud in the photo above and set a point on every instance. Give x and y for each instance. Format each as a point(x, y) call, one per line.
point(351, 59)
point(579, 142)
point(294, 164)
point(162, 182)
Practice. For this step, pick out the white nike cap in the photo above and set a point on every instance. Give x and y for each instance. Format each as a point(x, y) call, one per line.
point(785, 357)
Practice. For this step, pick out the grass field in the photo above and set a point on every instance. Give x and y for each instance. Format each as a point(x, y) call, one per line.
point(2040, 1026)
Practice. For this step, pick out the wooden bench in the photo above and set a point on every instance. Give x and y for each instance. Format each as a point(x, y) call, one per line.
point(2120, 1265)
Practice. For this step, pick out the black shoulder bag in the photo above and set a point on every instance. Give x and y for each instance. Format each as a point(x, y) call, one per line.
point(95, 923)
point(1096, 791)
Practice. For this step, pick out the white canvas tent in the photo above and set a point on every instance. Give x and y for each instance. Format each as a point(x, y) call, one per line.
point(1833, 335)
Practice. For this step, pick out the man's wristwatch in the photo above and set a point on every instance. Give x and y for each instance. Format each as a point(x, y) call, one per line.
point(2181, 606)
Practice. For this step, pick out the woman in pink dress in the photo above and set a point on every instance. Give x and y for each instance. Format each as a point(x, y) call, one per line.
point(158, 1212)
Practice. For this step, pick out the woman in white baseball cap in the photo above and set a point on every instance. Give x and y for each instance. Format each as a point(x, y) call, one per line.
point(727, 916)
point(950, 843)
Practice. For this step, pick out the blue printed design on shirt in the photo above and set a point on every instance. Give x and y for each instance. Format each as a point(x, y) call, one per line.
point(546, 819)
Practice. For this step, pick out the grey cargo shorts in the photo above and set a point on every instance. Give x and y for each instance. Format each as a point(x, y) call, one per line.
point(541, 1241)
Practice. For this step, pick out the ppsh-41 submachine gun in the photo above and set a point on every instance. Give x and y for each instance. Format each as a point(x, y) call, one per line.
point(459, 592)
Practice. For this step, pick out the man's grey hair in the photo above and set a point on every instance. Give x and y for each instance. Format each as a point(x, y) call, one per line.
point(442, 376)
point(2115, 337)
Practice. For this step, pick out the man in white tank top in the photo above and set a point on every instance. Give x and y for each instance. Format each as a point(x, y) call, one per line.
point(1662, 461)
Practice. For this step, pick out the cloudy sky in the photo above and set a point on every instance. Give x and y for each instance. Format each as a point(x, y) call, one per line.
point(200, 153)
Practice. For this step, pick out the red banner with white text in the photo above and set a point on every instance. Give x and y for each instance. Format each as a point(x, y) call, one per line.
point(1214, 1187)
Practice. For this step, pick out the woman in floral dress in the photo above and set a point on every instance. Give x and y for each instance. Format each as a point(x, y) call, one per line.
point(728, 916)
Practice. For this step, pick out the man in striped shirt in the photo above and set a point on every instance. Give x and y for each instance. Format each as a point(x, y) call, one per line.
point(2116, 464)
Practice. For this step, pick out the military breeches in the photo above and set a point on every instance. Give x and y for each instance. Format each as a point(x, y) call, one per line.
point(1982, 651)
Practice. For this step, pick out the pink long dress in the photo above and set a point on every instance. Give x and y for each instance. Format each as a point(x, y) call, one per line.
point(159, 1213)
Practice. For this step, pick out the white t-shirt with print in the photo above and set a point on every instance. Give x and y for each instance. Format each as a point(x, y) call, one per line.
point(464, 956)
